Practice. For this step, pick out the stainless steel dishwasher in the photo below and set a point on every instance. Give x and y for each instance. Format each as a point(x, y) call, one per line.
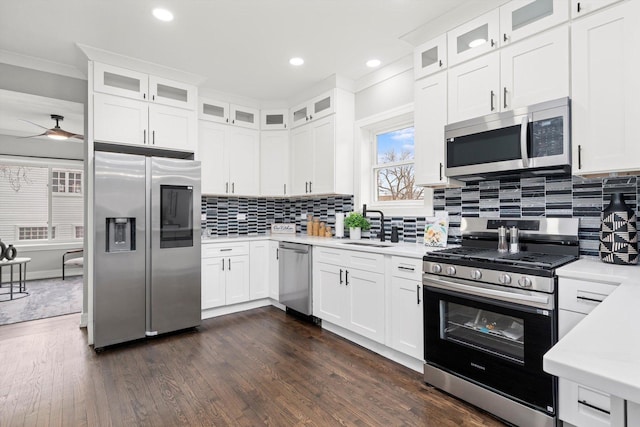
point(295, 277)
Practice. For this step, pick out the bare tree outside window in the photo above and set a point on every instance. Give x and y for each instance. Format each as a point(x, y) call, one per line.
point(394, 170)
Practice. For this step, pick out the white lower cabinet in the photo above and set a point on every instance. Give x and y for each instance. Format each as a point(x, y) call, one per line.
point(580, 405)
point(348, 290)
point(274, 270)
point(407, 307)
point(225, 274)
point(259, 269)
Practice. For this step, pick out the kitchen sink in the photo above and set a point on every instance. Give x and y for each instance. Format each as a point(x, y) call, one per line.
point(370, 244)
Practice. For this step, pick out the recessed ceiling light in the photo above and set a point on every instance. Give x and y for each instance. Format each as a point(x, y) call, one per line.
point(373, 63)
point(163, 14)
point(296, 61)
point(477, 42)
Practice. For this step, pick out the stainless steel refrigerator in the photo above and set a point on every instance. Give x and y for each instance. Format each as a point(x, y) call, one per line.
point(147, 246)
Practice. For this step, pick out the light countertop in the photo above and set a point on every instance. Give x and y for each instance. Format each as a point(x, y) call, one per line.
point(410, 250)
point(603, 350)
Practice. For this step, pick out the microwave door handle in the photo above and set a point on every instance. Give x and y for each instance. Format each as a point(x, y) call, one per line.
point(523, 141)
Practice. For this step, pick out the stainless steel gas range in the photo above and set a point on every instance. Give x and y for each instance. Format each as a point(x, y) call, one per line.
point(490, 316)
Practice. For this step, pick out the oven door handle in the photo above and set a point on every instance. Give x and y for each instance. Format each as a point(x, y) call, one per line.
point(490, 293)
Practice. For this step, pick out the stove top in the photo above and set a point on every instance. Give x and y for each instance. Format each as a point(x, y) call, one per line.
point(483, 255)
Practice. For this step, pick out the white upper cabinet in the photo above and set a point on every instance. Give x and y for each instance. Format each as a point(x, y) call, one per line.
point(523, 18)
point(316, 108)
point(274, 163)
point(136, 85)
point(430, 119)
point(476, 37)
point(430, 57)
point(535, 70)
point(274, 119)
point(244, 116)
point(230, 159)
point(172, 128)
point(583, 7)
point(120, 81)
point(120, 120)
point(474, 88)
point(224, 112)
point(605, 88)
point(530, 71)
point(172, 93)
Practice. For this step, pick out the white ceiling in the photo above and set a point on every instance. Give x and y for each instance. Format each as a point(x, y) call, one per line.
point(242, 47)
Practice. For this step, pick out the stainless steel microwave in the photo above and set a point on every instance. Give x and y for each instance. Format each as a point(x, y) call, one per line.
point(527, 141)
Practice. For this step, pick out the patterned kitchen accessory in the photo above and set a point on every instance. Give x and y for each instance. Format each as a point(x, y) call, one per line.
point(618, 233)
point(3, 248)
point(436, 230)
point(10, 253)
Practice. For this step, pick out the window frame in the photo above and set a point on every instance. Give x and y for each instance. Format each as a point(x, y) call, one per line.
point(67, 182)
point(375, 166)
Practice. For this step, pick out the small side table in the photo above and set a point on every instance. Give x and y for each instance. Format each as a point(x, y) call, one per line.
point(22, 278)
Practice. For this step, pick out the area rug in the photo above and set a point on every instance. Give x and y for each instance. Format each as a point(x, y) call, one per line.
point(47, 298)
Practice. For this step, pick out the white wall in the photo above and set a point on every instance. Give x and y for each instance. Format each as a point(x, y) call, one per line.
point(386, 95)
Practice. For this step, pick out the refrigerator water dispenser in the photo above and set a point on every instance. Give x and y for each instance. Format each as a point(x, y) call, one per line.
point(121, 234)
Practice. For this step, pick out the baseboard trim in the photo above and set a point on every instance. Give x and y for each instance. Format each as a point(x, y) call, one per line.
point(235, 308)
point(84, 320)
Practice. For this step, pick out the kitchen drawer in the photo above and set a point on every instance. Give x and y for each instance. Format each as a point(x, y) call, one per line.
point(567, 320)
point(227, 249)
point(582, 296)
point(583, 406)
point(350, 259)
point(408, 268)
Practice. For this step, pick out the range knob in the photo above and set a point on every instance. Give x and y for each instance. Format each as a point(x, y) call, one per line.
point(451, 270)
point(476, 274)
point(504, 278)
point(524, 282)
point(435, 268)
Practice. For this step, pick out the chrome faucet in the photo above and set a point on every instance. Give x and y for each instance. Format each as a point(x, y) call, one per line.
point(364, 214)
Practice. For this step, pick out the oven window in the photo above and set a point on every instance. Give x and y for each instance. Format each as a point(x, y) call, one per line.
point(176, 216)
point(483, 330)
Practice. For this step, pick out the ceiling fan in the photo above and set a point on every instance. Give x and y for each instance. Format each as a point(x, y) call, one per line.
point(55, 132)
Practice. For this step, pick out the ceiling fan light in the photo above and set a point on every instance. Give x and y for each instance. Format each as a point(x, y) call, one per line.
point(57, 137)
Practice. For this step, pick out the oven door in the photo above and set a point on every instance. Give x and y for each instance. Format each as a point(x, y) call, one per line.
point(496, 344)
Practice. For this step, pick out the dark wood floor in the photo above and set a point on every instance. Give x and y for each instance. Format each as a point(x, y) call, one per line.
point(260, 367)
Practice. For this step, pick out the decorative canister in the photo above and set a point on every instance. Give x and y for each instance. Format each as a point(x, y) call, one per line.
point(618, 233)
point(10, 253)
point(3, 248)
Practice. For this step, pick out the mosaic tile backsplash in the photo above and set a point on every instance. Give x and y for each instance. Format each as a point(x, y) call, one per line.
point(563, 196)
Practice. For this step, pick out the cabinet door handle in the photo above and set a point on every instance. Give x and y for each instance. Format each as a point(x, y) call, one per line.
point(579, 8)
point(233, 188)
point(227, 119)
point(310, 190)
point(306, 187)
point(153, 135)
point(341, 276)
point(504, 97)
point(440, 62)
point(229, 264)
point(589, 405)
point(400, 267)
point(440, 171)
point(579, 156)
point(144, 96)
point(491, 98)
point(493, 43)
point(226, 250)
point(222, 264)
point(285, 189)
point(144, 136)
point(418, 293)
point(233, 122)
point(504, 37)
point(581, 298)
point(226, 187)
point(346, 277)
point(310, 117)
point(285, 125)
point(277, 253)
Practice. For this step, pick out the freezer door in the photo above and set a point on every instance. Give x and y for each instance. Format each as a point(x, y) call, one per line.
point(174, 262)
point(119, 250)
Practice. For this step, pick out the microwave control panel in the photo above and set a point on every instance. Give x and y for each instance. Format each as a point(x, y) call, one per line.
point(547, 137)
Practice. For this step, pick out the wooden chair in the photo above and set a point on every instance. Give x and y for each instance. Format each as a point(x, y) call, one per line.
point(74, 260)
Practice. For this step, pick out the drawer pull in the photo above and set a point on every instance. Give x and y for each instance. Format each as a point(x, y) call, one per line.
point(589, 299)
point(226, 250)
point(406, 268)
point(589, 405)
